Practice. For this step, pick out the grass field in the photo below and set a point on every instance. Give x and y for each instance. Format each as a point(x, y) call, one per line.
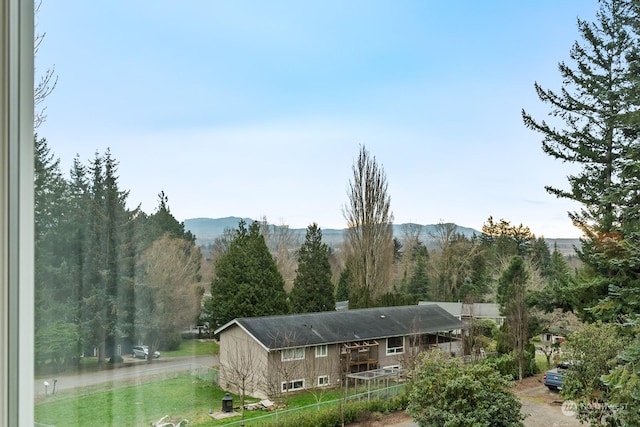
point(194, 348)
point(138, 405)
point(182, 397)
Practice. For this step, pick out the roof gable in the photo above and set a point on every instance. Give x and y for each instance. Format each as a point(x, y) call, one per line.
point(329, 327)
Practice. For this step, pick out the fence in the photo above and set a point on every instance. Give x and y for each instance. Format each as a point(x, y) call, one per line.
point(205, 373)
point(382, 394)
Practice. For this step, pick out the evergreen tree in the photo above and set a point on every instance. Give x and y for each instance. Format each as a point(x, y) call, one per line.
point(556, 293)
point(505, 239)
point(78, 247)
point(480, 278)
point(247, 282)
point(312, 288)
point(104, 271)
point(540, 255)
point(592, 105)
point(344, 285)
point(419, 286)
point(53, 284)
point(163, 222)
point(598, 112)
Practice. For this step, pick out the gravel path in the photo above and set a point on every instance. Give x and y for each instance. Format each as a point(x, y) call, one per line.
point(546, 409)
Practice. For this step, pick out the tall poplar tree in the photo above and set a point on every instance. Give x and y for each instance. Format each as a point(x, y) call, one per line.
point(511, 295)
point(369, 235)
point(312, 288)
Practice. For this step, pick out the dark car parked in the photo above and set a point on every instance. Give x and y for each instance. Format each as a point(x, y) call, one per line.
point(553, 378)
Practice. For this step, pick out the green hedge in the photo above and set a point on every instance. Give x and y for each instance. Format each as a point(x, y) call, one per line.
point(350, 412)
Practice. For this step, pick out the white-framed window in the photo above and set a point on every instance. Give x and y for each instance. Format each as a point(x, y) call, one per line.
point(292, 385)
point(290, 354)
point(395, 345)
point(321, 350)
point(16, 214)
point(323, 380)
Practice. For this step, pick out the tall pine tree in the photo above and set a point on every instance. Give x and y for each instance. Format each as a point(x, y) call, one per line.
point(312, 288)
point(107, 284)
point(247, 282)
point(345, 284)
point(592, 106)
point(596, 108)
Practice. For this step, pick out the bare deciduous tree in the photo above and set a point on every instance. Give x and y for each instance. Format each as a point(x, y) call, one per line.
point(318, 370)
point(512, 288)
point(369, 229)
point(451, 262)
point(168, 291)
point(46, 82)
point(241, 368)
point(410, 243)
point(282, 243)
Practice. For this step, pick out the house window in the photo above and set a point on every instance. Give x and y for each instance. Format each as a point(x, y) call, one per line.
point(395, 345)
point(321, 350)
point(292, 385)
point(323, 380)
point(292, 354)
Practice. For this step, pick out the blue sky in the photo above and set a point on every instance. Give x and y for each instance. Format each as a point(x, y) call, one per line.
point(258, 108)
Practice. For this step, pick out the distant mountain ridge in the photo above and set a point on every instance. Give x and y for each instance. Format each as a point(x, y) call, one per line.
point(207, 230)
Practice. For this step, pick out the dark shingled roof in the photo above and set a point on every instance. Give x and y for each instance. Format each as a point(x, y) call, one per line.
point(330, 327)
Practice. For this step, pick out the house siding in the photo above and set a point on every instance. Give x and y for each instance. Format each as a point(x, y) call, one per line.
point(307, 369)
point(239, 351)
point(356, 341)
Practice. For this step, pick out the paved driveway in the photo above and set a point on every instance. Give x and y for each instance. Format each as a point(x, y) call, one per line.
point(132, 369)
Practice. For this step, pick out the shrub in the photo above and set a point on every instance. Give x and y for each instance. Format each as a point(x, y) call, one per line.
point(116, 359)
point(189, 335)
point(171, 342)
point(448, 392)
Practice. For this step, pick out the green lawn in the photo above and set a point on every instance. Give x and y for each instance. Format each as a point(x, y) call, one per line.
point(182, 397)
point(194, 348)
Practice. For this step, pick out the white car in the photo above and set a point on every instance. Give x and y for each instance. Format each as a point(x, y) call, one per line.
point(142, 351)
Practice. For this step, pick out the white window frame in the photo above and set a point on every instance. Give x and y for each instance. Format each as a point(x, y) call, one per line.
point(16, 213)
point(291, 354)
point(323, 380)
point(322, 350)
point(292, 385)
point(396, 349)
